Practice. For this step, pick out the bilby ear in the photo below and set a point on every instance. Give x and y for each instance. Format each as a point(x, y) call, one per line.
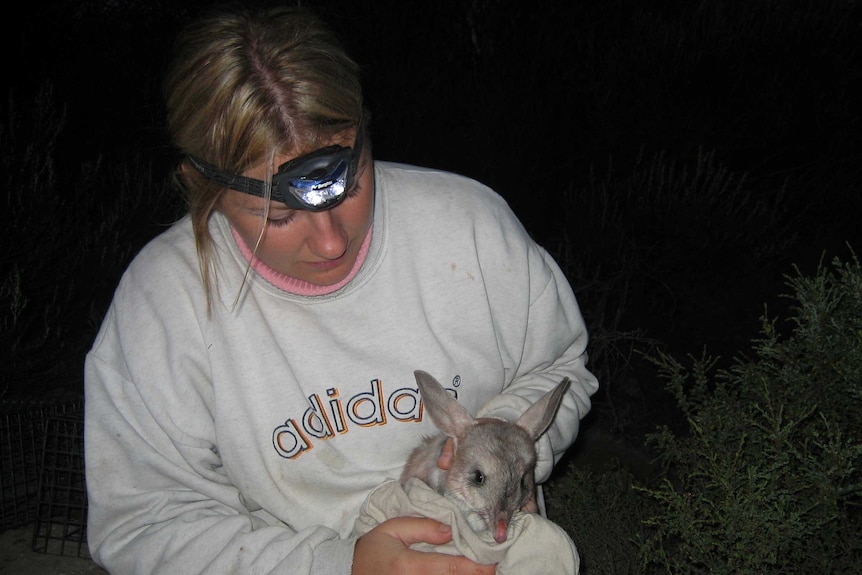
point(539, 416)
point(446, 414)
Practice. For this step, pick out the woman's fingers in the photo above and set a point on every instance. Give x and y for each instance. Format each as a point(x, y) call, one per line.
point(444, 462)
point(386, 550)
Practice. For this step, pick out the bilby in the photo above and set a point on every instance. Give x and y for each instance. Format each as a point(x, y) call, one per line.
point(493, 463)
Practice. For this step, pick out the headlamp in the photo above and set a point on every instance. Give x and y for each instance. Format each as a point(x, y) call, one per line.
point(315, 182)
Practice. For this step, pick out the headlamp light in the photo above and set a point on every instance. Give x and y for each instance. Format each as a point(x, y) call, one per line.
point(315, 182)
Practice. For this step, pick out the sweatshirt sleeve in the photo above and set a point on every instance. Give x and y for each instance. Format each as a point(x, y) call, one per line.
point(545, 339)
point(159, 499)
point(159, 504)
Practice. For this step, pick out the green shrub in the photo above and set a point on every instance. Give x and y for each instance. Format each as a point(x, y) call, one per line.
point(675, 239)
point(68, 233)
point(602, 513)
point(768, 478)
point(39, 258)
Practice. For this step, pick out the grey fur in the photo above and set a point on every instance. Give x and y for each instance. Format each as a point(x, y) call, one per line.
point(492, 472)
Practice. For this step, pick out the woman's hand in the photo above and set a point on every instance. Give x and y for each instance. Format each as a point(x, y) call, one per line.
point(386, 550)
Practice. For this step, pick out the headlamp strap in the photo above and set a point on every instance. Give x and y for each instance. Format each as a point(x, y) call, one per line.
point(229, 180)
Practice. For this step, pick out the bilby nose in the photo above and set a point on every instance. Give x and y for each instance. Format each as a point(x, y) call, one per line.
point(501, 528)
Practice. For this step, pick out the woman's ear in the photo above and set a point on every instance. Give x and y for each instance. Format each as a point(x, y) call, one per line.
point(182, 171)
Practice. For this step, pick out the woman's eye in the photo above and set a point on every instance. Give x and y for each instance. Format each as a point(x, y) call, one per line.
point(280, 222)
point(354, 190)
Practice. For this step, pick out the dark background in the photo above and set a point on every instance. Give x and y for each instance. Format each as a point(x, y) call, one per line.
point(679, 158)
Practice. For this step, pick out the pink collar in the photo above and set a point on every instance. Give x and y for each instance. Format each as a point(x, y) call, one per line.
point(297, 286)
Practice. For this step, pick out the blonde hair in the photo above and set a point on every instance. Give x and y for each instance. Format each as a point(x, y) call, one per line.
point(245, 85)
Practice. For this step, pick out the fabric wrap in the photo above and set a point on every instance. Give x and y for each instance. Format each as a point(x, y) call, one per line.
point(535, 544)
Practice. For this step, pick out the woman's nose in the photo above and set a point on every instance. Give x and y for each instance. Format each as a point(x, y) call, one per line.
point(327, 239)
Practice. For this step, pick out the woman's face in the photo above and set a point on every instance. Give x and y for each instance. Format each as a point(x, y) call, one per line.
point(317, 247)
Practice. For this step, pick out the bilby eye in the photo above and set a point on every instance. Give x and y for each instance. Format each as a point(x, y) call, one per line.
point(478, 477)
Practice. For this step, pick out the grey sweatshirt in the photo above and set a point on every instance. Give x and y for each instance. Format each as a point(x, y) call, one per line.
point(246, 440)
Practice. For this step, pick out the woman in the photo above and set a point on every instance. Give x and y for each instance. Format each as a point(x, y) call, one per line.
point(252, 381)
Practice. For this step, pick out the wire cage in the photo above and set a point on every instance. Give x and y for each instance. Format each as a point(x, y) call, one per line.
point(60, 526)
point(22, 429)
